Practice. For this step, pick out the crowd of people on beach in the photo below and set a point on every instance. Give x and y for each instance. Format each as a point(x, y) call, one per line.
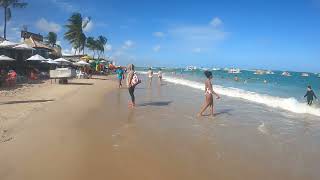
point(133, 80)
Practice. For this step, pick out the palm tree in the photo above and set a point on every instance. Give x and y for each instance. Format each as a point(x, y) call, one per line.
point(101, 42)
point(51, 38)
point(75, 34)
point(91, 45)
point(6, 5)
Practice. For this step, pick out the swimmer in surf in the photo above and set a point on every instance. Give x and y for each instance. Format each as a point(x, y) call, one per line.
point(310, 94)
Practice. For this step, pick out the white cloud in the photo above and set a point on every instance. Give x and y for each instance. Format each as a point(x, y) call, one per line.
point(216, 22)
point(156, 48)
point(66, 6)
point(46, 26)
point(71, 51)
point(108, 48)
point(89, 26)
point(128, 44)
point(158, 34)
point(196, 50)
point(199, 35)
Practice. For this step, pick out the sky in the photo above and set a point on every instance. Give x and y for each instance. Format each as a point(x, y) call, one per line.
point(250, 34)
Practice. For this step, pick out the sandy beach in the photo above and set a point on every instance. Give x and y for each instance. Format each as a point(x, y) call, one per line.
point(85, 131)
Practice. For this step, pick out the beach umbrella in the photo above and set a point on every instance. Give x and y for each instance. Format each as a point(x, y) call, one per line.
point(82, 63)
point(23, 47)
point(6, 58)
point(8, 44)
point(36, 57)
point(50, 61)
point(61, 60)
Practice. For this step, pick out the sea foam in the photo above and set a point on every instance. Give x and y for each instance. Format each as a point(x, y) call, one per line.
point(288, 104)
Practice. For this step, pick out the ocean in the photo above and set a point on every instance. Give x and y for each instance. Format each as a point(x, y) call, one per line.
point(272, 90)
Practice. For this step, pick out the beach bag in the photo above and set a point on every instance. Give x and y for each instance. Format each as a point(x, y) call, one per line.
point(135, 80)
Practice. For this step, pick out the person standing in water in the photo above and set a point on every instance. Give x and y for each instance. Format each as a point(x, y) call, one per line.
point(120, 75)
point(150, 76)
point(132, 82)
point(208, 94)
point(310, 95)
point(160, 76)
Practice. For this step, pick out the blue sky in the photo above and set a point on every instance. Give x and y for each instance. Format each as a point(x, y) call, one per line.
point(282, 34)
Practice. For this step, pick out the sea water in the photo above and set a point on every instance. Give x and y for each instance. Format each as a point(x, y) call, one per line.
point(272, 90)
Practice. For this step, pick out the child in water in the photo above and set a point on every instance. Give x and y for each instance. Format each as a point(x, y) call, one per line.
point(310, 94)
point(209, 94)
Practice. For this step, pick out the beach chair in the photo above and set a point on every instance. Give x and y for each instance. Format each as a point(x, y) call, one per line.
point(80, 74)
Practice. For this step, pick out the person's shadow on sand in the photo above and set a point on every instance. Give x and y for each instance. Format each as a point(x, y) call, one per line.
point(157, 103)
point(221, 112)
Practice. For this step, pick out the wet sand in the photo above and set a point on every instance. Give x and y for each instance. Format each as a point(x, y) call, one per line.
point(91, 134)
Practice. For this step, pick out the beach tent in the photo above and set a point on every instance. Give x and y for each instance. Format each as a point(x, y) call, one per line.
point(82, 63)
point(6, 58)
point(36, 57)
point(23, 47)
point(6, 44)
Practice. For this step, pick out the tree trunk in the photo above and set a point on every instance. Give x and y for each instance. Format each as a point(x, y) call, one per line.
point(5, 24)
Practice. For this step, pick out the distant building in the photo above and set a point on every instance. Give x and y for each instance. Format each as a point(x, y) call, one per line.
point(43, 49)
point(27, 35)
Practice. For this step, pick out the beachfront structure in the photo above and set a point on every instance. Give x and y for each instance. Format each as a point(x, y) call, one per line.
point(32, 44)
point(36, 41)
point(74, 58)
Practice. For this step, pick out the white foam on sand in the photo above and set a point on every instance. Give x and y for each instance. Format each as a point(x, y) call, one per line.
point(288, 104)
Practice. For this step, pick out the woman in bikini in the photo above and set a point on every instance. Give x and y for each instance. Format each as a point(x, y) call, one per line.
point(209, 94)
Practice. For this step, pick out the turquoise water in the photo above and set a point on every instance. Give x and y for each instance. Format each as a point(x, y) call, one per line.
point(274, 90)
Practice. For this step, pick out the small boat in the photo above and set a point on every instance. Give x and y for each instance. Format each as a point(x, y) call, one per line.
point(216, 69)
point(269, 72)
point(191, 68)
point(234, 71)
point(286, 74)
point(305, 75)
point(259, 72)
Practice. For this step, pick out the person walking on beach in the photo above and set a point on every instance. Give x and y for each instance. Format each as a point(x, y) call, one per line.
point(310, 94)
point(132, 82)
point(120, 75)
point(150, 76)
point(160, 76)
point(208, 94)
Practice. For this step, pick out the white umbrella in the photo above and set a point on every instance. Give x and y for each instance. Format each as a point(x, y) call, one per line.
point(61, 60)
point(36, 57)
point(81, 63)
point(8, 44)
point(6, 58)
point(51, 62)
point(23, 47)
